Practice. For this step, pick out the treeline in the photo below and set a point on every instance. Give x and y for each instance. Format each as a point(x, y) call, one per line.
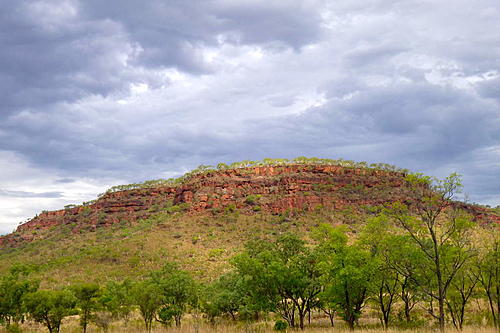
point(420, 256)
point(411, 262)
point(163, 296)
point(247, 164)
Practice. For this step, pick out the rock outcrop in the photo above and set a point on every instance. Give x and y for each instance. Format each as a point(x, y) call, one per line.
point(267, 189)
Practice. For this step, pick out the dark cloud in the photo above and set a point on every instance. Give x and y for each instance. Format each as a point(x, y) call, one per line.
point(172, 34)
point(101, 91)
point(43, 63)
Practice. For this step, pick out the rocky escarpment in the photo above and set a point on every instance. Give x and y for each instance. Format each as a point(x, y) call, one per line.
point(268, 189)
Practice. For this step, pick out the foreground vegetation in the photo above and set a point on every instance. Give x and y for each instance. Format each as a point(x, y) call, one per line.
point(421, 264)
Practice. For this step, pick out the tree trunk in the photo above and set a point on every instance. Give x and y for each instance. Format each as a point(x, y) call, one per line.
point(492, 307)
point(350, 322)
point(148, 323)
point(407, 313)
point(497, 321)
point(386, 320)
point(405, 296)
point(301, 320)
point(461, 319)
point(441, 313)
point(49, 326)
point(441, 291)
point(330, 313)
point(453, 315)
point(302, 309)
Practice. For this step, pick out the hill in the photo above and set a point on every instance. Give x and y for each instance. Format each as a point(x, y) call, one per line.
point(202, 218)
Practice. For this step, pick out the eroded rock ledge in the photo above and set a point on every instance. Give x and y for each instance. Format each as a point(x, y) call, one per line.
point(268, 189)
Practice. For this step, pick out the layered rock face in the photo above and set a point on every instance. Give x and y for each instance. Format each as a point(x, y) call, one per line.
point(267, 189)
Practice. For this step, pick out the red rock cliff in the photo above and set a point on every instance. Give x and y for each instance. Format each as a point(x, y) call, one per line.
point(268, 189)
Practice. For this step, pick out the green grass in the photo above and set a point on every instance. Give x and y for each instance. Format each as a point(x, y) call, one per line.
point(200, 244)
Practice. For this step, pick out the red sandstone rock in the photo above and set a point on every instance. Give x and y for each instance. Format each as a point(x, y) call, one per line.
point(282, 188)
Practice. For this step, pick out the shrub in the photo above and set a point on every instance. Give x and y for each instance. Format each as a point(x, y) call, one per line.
point(280, 325)
point(214, 253)
point(178, 208)
point(14, 328)
point(195, 239)
point(230, 208)
point(256, 208)
point(252, 199)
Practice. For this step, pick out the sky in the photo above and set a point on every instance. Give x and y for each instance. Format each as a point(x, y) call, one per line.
point(99, 93)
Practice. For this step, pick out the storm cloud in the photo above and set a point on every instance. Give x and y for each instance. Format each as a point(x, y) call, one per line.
point(97, 93)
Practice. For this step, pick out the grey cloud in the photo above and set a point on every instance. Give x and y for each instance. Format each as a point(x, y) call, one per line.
point(25, 194)
point(490, 88)
point(64, 181)
point(172, 33)
point(91, 51)
point(294, 24)
point(282, 101)
point(373, 65)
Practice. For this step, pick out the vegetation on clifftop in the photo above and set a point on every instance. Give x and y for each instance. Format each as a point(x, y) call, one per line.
point(203, 169)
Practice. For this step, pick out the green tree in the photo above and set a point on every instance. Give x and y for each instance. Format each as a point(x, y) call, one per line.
point(86, 295)
point(114, 302)
point(49, 307)
point(222, 166)
point(281, 276)
point(147, 296)
point(404, 257)
point(326, 305)
point(13, 286)
point(226, 295)
point(177, 289)
point(462, 288)
point(347, 272)
point(375, 237)
point(440, 232)
point(488, 272)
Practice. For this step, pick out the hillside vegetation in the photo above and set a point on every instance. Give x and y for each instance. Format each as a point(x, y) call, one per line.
point(284, 245)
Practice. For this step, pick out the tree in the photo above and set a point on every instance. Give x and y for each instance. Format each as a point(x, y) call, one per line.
point(325, 304)
point(375, 237)
point(404, 257)
point(114, 302)
point(224, 296)
point(282, 276)
point(462, 288)
point(441, 233)
point(86, 295)
point(147, 296)
point(488, 273)
point(50, 307)
point(177, 289)
point(347, 272)
point(13, 286)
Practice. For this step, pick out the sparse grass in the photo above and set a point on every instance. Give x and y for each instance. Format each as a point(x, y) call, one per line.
point(192, 324)
point(117, 252)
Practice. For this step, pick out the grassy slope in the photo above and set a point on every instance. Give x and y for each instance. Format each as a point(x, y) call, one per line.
point(201, 244)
